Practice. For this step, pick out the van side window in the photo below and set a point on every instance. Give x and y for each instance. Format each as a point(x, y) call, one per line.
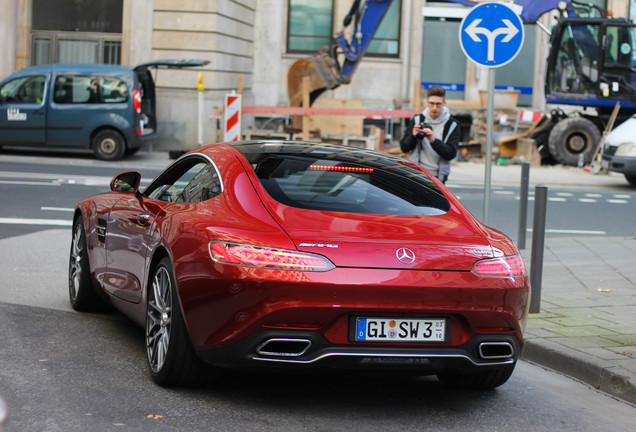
point(24, 90)
point(71, 89)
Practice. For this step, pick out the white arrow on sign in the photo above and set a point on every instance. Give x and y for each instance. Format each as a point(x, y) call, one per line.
point(509, 31)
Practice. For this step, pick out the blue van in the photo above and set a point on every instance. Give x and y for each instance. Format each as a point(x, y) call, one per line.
point(110, 109)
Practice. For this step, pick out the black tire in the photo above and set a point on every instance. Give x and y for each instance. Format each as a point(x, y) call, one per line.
point(109, 145)
point(631, 179)
point(482, 380)
point(572, 137)
point(81, 290)
point(169, 353)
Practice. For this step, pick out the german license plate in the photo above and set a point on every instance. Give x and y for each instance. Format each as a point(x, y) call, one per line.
point(400, 329)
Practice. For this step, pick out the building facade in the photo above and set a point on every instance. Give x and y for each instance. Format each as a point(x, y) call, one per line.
point(252, 43)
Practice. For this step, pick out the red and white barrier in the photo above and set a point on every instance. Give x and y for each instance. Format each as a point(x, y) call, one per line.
point(232, 123)
point(529, 116)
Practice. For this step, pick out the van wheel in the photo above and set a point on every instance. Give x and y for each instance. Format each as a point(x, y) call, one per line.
point(109, 145)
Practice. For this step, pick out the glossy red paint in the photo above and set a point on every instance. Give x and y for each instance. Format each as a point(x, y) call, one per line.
point(229, 309)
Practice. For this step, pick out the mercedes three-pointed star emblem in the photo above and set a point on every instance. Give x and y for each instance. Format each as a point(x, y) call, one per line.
point(405, 255)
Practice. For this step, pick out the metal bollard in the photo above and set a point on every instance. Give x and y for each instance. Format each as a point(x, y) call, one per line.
point(523, 205)
point(538, 242)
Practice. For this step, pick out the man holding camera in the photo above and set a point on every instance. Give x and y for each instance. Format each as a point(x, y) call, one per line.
point(432, 138)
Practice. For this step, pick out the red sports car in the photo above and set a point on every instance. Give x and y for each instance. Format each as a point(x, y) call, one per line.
point(295, 254)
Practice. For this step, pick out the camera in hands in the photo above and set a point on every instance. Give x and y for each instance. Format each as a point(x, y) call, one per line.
point(423, 124)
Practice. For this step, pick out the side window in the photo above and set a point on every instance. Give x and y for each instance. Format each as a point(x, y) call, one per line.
point(576, 70)
point(89, 89)
point(113, 90)
point(190, 182)
point(25, 90)
point(619, 72)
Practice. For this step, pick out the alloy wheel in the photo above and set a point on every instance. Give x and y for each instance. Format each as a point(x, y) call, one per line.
point(158, 319)
point(75, 271)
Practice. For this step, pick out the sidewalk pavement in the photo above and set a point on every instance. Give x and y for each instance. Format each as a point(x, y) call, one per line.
point(586, 327)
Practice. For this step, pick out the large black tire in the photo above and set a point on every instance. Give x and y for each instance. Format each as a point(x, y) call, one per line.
point(572, 137)
point(170, 356)
point(81, 290)
point(482, 380)
point(631, 179)
point(109, 145)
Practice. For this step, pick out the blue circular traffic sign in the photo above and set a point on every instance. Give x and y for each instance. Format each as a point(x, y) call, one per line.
point(491, 34)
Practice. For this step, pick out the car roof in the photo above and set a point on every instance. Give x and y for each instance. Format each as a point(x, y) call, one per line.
point(77, 68)
point(335, 151)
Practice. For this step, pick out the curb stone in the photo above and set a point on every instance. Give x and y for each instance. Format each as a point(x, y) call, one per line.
point(604, 377)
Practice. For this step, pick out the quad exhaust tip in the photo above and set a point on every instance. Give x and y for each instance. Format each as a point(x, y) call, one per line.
point(283, 347)
point(496, 350)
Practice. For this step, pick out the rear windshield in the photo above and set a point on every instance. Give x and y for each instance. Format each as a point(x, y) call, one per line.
point(343, 179)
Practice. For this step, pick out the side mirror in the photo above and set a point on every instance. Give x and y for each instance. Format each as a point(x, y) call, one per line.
point(126, 182)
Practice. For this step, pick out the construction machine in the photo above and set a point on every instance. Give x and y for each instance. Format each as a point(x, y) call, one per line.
point(591, 64)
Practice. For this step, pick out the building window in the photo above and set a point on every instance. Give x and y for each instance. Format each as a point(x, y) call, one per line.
point(76, 31)
point(310, 28)
point(309, 25)
point(386, 40)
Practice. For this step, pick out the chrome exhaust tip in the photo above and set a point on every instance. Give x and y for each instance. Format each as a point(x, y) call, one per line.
point(282, 347)
point(496, 350)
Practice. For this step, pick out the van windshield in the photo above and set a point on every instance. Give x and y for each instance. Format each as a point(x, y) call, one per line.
point(24, 90)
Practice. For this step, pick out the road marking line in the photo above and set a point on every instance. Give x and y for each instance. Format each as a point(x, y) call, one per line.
point(587, 200)
point(29, 183)
point(617, 201)
point(504, 192)
point(622, 196)
point(57, 209)
point(593, 195)
point(557, 231)
point(558, 199)
point(565, 194)
point(23, 221)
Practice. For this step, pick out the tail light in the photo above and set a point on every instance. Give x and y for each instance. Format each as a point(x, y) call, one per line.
point(137, 101)
point(259, 256)
point(511, 266)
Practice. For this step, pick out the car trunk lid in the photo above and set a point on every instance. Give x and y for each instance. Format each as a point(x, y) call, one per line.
point(442, 242)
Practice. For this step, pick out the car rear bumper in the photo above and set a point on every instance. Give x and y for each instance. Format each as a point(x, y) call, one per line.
point(231, 321)
point(309, 350)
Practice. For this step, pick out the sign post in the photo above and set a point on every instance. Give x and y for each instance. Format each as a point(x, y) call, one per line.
point(491, 35)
